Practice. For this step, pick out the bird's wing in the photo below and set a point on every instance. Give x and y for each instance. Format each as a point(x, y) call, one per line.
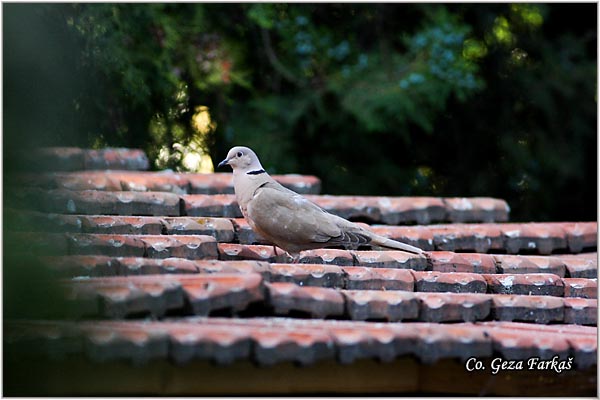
point(288, 218)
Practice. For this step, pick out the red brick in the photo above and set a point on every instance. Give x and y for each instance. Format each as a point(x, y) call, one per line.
point(307, 274)
point(362, 278)
point(317, 302)
point(419, 236)
point(218, 205)
point(448, 307)
point(455, 282)
point(236, 252)
point(580, 287)
point(381, 305)
point(581, 311)
point(390, 259)
point(116, 158)
point(121, 225)
point(581, 267)
point(327, 256)
point(529, 284)
point(538, 309)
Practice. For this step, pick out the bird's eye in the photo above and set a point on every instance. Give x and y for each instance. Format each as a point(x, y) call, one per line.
point(239, 154)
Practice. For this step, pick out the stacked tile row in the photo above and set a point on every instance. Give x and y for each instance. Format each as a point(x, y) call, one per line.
point(386, 210)
point(512, 238)
point(274, 340)
point(77, 159)
point(163, 181)
point(357, 293)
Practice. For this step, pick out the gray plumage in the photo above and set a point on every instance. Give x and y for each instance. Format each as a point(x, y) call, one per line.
point(289, 220)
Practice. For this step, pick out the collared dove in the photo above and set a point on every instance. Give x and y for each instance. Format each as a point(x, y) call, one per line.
point(289, 220)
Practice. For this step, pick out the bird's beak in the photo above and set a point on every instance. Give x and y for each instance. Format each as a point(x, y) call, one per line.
point(223, 163)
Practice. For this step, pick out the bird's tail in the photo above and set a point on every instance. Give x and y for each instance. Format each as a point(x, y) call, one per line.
point(393, 244)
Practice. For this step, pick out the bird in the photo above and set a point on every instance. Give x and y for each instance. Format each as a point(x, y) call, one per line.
point(289, 220)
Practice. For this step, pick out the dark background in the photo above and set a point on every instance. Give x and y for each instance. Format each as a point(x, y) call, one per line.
point(389, 99)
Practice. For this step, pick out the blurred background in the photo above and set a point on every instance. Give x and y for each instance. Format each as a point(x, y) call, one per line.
point(383, 99)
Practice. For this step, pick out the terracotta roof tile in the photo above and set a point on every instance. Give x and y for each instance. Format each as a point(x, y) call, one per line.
point(538, 309)
point(220, 205)
point(361, 278)
point(193, 247)
point(581, 267)
point(469, 237)
point(581, 235)
point(232, 251)
point(153, 246)
point(541, 237)
point(390, 259)
point(327, 256)
point(452, 341)
point(452, 307)
point(485, 209)
point(163, 181)
point(222, 229)
point(317, 302)
point(445, 261)
point(456, 282)
point(307, 274)
point(270, 340)
point(120, 224)
point(73, 158)
point(117, 297)
point(377, 304)
point(529, 284)
point(93, 202)
point(581, 311)
point(580, 287)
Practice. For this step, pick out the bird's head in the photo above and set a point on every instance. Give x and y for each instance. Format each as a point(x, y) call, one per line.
point(242, 159)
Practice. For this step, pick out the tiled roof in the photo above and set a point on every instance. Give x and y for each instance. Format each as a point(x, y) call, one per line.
point(158, 267)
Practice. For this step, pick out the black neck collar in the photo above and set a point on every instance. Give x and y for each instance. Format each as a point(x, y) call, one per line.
point(257, 172)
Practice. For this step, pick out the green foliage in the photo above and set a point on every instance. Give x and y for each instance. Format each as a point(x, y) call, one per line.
point(399, 99)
